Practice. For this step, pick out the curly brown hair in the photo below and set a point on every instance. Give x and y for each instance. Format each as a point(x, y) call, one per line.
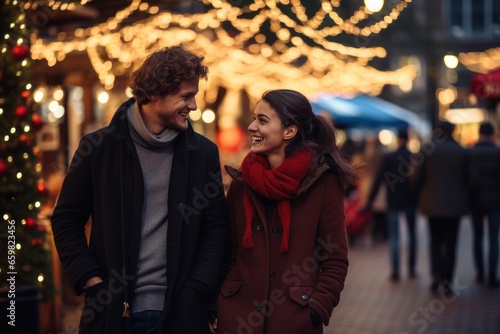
point(164, 70)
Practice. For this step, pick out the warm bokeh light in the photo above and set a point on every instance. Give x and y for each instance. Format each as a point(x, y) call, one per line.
point(243, 60)
point(38, 95)
point(451, 61)
point(386, 137)
point(208, 116)
point(374, 5)
point(447, 95)
point(58, 94)
point(414, 145)
point(103, 97)
point(53, 105)
point(481, 62)
point(406, 86)
point(195, 115)
point(465, 115)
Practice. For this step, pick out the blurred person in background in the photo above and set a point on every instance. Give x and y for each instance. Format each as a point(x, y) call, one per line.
point(395, 172)
point(372, 157)
point(484, 181)
point(442, 196)
point(289, 256)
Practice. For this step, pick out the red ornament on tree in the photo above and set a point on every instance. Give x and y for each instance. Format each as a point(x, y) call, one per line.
point(30, 222)
point(21, 111)
point(37, 242)
point(42, 190)
point(3, 168)
point(25, 140)
point(37, 121)
point(20, 52)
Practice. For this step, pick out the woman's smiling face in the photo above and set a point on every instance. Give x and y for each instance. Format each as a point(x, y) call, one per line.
point(268, 133)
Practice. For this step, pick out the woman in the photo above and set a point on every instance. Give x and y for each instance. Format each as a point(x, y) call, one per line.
point(289, 255)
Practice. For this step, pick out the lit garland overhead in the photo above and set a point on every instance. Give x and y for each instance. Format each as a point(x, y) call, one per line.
point(54, 5)
point(482, 62)
point(241, 60)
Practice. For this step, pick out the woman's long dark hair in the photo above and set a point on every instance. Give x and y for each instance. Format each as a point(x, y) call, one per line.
point(314, 132)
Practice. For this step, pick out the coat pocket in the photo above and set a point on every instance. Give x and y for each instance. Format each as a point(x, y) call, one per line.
point(93, 317)
point(230, 288)
point(300, 293)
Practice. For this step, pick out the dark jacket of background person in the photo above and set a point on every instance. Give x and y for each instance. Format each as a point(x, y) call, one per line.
point(396, 172)
point(484, 177)
point(441, 177)
point(267, 283)
point(105, 183)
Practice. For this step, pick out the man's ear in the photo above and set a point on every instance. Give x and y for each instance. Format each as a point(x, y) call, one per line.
point(290, 132)
point(152, 97)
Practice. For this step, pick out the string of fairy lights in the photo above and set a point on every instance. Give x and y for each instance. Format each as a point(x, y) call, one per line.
point(18, 41)
point(309, 27)
point(55, 5)
point(13, 45)
point(244, 60)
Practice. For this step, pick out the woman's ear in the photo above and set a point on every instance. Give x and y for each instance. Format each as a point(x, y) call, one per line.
point(290, 132)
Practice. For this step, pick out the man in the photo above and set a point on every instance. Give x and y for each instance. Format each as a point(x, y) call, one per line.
point(395, 171)
point(153, 190)
point(442, 195)
point(484, 178)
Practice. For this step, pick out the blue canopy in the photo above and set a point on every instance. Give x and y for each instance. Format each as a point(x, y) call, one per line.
point(365, 112)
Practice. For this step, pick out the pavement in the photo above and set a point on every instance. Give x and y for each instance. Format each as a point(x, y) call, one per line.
point(372, 304)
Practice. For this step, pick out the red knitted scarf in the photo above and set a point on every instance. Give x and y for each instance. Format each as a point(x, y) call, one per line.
point(278, 184)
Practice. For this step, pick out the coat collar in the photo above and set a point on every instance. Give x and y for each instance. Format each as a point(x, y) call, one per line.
point(119, 128)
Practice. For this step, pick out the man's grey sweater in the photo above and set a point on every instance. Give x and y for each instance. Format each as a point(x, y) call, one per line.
point(155, 156)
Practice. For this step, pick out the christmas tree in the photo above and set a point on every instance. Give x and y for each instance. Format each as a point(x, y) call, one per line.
point(25, 251)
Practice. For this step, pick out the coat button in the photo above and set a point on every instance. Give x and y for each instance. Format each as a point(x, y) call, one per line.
point(304, 297)
point(260, 228)
point(276, 230)
point(230, 290)
point(272, 273)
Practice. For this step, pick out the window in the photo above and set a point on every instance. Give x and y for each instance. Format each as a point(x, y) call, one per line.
point(456, 12)
point(478, 17)
point(496, 17)
point(473, 18)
